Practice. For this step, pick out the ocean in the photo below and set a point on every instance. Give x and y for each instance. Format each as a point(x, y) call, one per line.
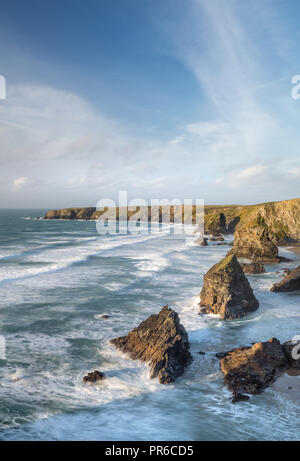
point(57, 278)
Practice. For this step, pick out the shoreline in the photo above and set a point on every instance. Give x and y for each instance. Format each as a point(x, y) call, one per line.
point(295, 248)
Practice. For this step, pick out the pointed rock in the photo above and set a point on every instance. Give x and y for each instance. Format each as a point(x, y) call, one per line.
point(290, 283)
point(161, 341)
point(226, 291)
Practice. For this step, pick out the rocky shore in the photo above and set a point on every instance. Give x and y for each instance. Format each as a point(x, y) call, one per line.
point(162, 341)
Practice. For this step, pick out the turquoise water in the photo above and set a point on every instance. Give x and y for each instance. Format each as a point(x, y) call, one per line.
point(56, 280)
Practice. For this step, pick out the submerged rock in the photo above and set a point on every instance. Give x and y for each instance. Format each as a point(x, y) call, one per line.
point(253, 369)
point(162, 341)
point(93, 377)
point(253, 268)
point(237, 397)
point(290, 283)
point(226, 291)
point(202, 241)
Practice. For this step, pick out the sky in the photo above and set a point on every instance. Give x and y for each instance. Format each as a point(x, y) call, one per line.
point(187, 99)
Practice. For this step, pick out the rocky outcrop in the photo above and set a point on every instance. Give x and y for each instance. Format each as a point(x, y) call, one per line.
point(250, 370)
point(254, 243)
point(161, 341)
point(214, 223)
point(71, 213)
point(202, 241)
point(281, 218)
point(290, 283)
point(93, 377)
point(226, 291)
point(253, 268)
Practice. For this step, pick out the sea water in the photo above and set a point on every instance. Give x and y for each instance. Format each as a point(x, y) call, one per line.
point(57, 279)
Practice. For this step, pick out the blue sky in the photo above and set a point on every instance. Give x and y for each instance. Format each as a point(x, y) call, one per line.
point(164, 99)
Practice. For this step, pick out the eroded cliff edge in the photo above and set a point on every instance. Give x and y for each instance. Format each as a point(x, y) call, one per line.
point(281, 218)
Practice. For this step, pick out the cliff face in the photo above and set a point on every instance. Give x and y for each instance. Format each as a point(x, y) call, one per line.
point(71, 213)
point(281, 218)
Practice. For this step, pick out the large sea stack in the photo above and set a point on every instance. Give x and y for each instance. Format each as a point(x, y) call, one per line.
point(161, 341)
point(226, 291)
point(254, 243)
point(290, 283)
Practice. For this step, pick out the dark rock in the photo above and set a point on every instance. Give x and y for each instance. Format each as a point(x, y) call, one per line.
point(226, 291)
point(202, 241)
point(105, 316)
point(253, 369)
point(253, 268)
point(201, 353)
point(221, 355)
point(283, 259)
point(290, 283)
point(231, 226)
point(239, 397)
point(215, 223)
point(161, 341)
point(94, 377)
point(215, 233)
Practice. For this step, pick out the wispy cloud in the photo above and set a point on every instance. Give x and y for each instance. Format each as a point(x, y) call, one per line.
point(19, 183)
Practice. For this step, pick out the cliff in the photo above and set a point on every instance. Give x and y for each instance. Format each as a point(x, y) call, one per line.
point(281, 218)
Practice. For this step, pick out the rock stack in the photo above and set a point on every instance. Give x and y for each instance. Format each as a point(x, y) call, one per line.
point(161, 341)
point(252, 369)
point(226, 291)
point(254, 243)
